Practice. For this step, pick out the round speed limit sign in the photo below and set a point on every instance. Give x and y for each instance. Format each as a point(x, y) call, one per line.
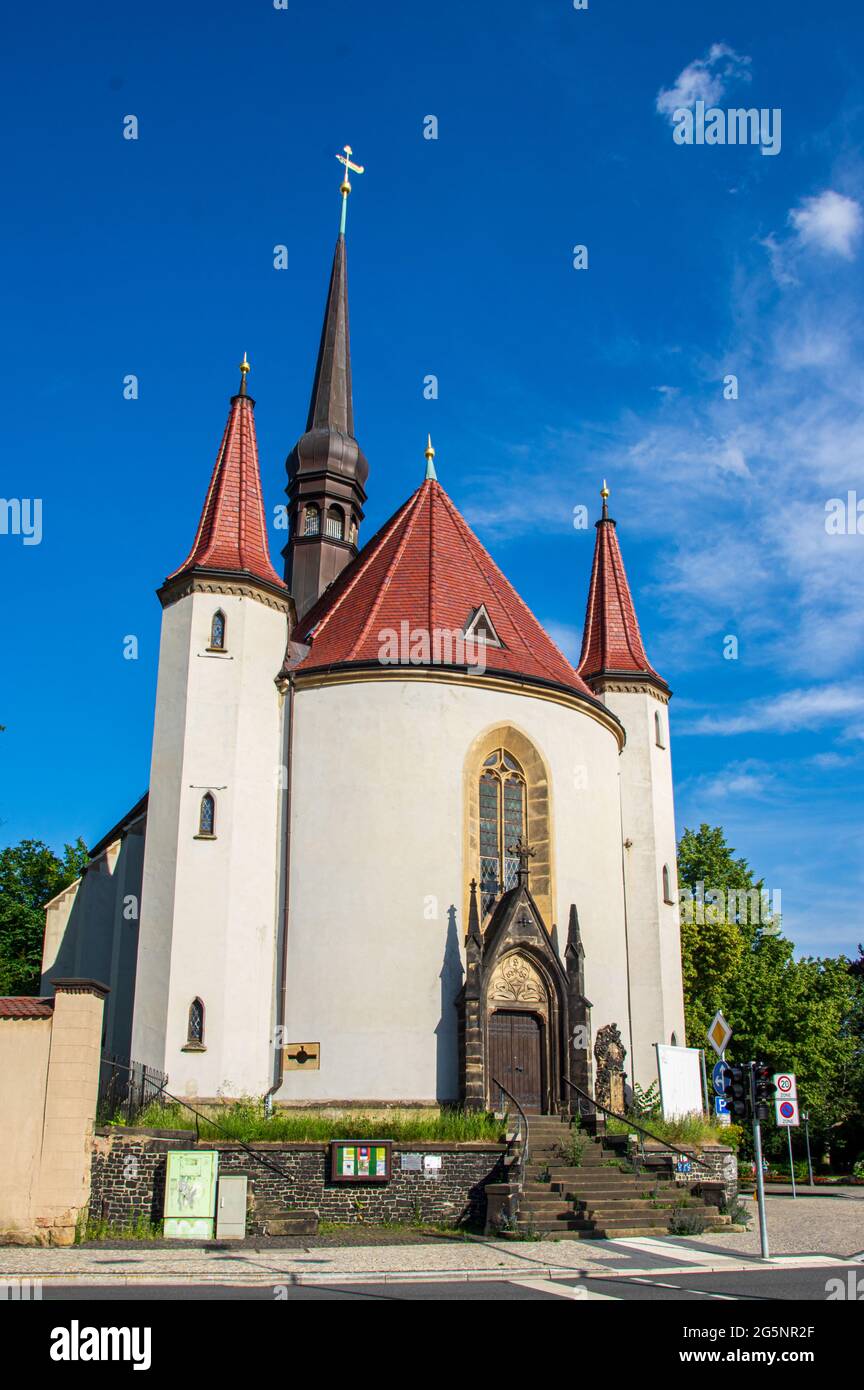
point(785, 1085)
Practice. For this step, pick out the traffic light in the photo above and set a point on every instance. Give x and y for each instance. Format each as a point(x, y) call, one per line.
point(763, 1092)
point(738, 1091)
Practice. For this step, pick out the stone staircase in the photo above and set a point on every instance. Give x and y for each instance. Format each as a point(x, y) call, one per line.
point(591, 1201)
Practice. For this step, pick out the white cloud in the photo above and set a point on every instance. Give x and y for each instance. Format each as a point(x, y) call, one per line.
point(829, 222)
point(748, 778)
point(789, 712)
point(705, 79)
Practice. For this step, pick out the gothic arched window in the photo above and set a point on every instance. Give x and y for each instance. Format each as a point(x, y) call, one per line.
point(207, 815)
point(217, 631)
point(335, 524)
point(502, 822)
point(195, 1031)
point(311, 521)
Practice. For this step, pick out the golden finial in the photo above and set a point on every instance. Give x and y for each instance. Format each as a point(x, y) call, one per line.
point(604, 493)
point(430, 457)
point(244, 368)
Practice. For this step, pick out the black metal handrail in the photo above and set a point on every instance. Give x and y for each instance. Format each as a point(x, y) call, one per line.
point(525, 1146)
point(625, 1119)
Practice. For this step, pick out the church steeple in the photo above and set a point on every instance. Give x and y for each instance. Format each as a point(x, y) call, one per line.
point(611, 642)
point(327, 469)
point(231, 538)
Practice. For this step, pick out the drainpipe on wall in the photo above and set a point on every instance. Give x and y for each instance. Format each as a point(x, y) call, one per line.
point(286, 884)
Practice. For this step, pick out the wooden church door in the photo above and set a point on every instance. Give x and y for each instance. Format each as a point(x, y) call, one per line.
point(515, 1057)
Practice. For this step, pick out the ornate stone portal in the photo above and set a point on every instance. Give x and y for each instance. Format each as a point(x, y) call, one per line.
point(525, 1021)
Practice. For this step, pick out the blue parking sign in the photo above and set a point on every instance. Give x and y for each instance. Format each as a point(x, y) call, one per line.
point(721, 1105)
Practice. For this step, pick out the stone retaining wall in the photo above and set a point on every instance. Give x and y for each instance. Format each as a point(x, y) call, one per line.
point(128, 1180)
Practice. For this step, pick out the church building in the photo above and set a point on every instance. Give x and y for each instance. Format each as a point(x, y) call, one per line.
point(395, 848)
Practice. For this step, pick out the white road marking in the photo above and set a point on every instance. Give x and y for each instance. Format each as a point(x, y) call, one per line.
point(578, 1295)
point(649, 1245)
point(701, 1293)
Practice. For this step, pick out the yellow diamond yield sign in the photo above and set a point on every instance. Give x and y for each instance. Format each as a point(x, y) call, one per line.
point(719, 1034)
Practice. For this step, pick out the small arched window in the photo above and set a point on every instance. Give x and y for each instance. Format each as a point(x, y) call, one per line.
point(352, 531)
point(312, 521)
point(217, 632)
point(335, 524)
point(195, 1031)
point(658, 730)
point(667, 885)
point(207, 815)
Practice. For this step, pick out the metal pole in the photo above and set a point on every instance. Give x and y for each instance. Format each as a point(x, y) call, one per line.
point(760, 1184)
point(791, 1164)
point(705, 1083)
point(807, 1138)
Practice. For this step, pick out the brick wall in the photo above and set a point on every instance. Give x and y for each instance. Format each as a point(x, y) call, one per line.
point(128, 1181)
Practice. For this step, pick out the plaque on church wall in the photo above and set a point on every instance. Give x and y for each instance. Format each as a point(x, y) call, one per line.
point(411, 1163)
point(360, 1160)
point(302, 1056)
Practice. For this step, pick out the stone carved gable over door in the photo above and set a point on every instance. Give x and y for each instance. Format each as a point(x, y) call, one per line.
point(516, 981)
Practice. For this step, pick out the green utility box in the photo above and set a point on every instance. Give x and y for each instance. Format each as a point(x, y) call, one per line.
point(190, 1195)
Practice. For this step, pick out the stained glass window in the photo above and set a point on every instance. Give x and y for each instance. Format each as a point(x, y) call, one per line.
point(312, 522)
point(207, 819)
point(502, 821)
point(196, 1022)
point(217, 631)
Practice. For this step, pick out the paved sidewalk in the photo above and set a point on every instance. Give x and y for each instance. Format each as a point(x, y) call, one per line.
point(809, 1230)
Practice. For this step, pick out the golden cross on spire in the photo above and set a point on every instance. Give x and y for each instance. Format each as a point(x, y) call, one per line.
point(345, 187)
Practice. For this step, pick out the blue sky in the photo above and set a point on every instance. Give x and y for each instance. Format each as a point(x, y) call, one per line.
point(155, 257)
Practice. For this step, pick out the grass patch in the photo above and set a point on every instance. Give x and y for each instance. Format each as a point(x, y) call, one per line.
point(685, 1130)
point(246, 1120)
point(96, 1228)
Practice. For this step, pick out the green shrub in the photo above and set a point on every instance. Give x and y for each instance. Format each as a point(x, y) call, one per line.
point(687, 1221)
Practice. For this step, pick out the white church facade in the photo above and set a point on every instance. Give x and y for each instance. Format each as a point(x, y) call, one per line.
point(360, 877)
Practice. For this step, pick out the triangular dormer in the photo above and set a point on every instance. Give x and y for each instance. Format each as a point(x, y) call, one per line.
point(481, 628)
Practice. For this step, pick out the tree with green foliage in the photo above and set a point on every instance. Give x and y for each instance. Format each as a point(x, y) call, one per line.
point(30, 875)
point(800, 1015)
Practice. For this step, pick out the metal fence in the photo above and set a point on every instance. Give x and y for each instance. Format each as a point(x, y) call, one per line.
point(125, 1089)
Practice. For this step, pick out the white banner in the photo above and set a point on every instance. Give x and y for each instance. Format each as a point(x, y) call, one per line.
point(680, 1070)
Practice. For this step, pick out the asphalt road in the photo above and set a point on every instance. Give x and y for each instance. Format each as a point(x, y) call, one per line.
point(760, 1286)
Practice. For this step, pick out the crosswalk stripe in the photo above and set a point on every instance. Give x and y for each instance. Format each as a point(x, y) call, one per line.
point(580, 1294)
point(650, 1245)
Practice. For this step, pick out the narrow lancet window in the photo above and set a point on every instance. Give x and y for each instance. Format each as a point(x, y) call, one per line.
point(217, 631)
point(207, 815)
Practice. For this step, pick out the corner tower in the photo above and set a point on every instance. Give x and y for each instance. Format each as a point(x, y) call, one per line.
point(615, 665)
point(327, 469)
point(209, 896)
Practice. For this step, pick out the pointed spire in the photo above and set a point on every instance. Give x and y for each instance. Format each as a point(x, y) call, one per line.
point(331, 406)
point(232, 532)
point(431, 475)
point(474, 933)
point(574, 946)
point(611, 642)
point(327, 469)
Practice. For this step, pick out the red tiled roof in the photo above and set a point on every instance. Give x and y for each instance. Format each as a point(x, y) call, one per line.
point(232, 532)
point(611, 641)
point(427, 568)
point(25, 1006)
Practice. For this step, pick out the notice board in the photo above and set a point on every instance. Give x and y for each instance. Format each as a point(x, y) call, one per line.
point(360, 1160)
